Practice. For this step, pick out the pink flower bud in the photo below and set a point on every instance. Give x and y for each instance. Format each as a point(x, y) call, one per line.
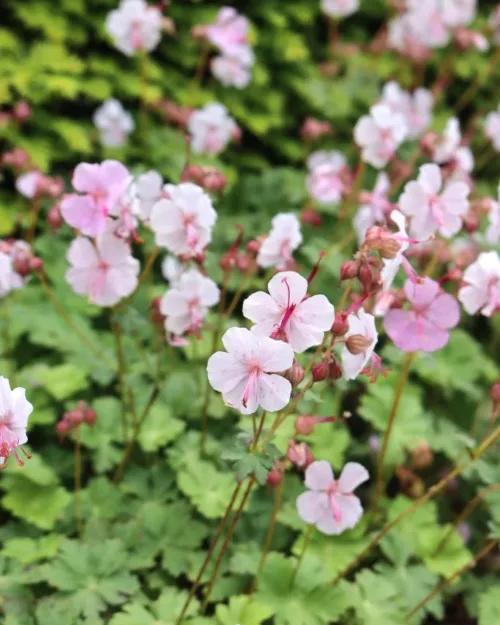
point(357, 344)
point(295, 374)
point(320, 371)
point(54, 217)
point(274, 477)
point(313, 129)
point(63, 427)
point(304, 425)
point(340, 325)
point(22, 111)
point(311, 217)
point(90, 416)
point(349, 270)
point(299, 454)
point(36, 264)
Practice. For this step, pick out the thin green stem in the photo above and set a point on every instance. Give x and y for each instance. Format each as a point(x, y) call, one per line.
point(398, 393)
point(491, 544)
point(432, 492)
point(210, 551)
point(270, 530)
point(120, 357)
point(35, 212)
point(226, 542)
point(78, 476)
point(305, 544)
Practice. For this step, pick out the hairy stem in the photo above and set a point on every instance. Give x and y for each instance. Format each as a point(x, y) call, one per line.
point(270, 530)
point(398, 393)
point(78, 476)
point(305, 544)
point(120, 357)
point(432, 492)
point(449, 580)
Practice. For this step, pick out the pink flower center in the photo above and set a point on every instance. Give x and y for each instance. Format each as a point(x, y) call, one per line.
point(194, 311)
point(436, 210)
point(332, 492)
point(97, 286)
point(192, 236)
point(254, 370)
point(136, 35)
point(288, 312)
point(8, 442)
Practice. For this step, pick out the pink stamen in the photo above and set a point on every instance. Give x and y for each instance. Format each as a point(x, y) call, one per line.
point(192, 237)
point(410, 272)
point(97, 285)
point(251, 385)
point(314, 271)
point(288, 313)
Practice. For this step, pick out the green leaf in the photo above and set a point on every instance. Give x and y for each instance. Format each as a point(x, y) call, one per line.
point(489, 606)
point(161, 427)
point(63, 380)
point(28, 550)
point(241, 609)
point(208, 489)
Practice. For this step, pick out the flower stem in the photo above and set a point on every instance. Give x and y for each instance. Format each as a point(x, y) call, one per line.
point(35, 211)
point(432, 492)
point(120, 357)
point(135, 435)
point(392, 418)
point(239, 292)
point(61, 310)
point(226, 542)
point(305, 544)
point(149, 265)
point(78, 474)
point(449, 580)
point(270, 530)
point(210, 551)
point(465, 513)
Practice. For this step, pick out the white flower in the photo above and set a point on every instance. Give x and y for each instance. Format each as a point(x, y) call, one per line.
point(27, 184)
point(374, 207)
point(211, 129)
point(113, 122)
point(183, 221)
point(493, 231)
point(172, 270)
point(285, 237)
point(134, 26)
point(188, 302)
point(106, 272)
point(392, 265)
point(286, 310)
point(430, 210)
point(364, 324)
point(15, 410)
point(247, 374)
point(125, 211)
point(325, 181)
point(229, 32)
point(10, 280)
point(339, 8)
point(492, 128)
point(233, 71)
point(415, 108)
point(459, 12)
point(449, 148)
point(379, 135)
point(481, 292)
point(148, 189)
point(428, 22)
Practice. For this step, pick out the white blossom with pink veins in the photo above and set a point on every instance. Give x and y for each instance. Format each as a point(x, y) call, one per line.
point(15, 410)
point(106, 272)
point(125, 211)
point(183, 220)
point(361, 323)
point(10, 280)
point(493, 232)
point(135, 26)
point(286, 310)
point(492, 128)
point(113, 122)
point(186, 304)
point(101, 186)
point(449, 148)
point(339, 8)
point(331, 504)
point(211, 129)
point(229, 32)
point(233, 71)
point(429, 22)
point(416, 107)
point(481, 290)
point(285, 237)
point(391, 265)
point(379, 135)
point(246, 374)
point(148, 189)
point(374, 207)
point(325, 181)
point(431, 210)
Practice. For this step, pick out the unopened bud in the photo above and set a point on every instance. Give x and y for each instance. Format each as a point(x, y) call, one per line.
point(349, 270)
point(320, 371)
point(334, 370)
point(421, 456)
point(63, 427)
point(295, 374)
point(156, 315)
point(36, 264)
point(90, 416)
point(54, 217)
point(253, 246)
point(311, 217)
point(168, 25)
point(274, 477)
point(299, 454)
point(304, 425)
point(471, 223)
point(389, 248)
point(495, 392)
point(22, 111)
point(366, 276)
point(357, 344)
point(340, 325)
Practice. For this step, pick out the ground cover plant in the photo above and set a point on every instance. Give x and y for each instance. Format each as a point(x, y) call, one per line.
point(250, 285)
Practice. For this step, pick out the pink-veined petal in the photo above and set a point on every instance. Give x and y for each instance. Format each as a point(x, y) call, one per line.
point(274, 391)
point(319, 475)
point(241, 344)
point(353, 474)
point(444, 311)
point(287, 287)
point(224, 372)
point(274, 356)
point(421, 295)
point(311, 506)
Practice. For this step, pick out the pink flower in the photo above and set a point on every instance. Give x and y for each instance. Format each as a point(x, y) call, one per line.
point(330, 504)
point(493, 232)
point(183, 221)
point(416, 108)
point(134, 26)
point(211, 129)
point(285, 237)
point(325, 182)
point(450, 150)
point(232, 71)
point(375, 205)
point(339, 8)
point(102, 185)
point(492, 128)
point(425, 326)
point(391, 265)
point(10, 280)
point(481, 290)
point(430, 210)
point(247, 374)
point(172, 270)
point(148, 189)
point(106, 272)
point(285, 310)
point(113, 122)
point(15, 410)
point(360, 324)
point(28, 184)
point(429, 22)
point(229, 32)
point(379, 135)
point(186, 304)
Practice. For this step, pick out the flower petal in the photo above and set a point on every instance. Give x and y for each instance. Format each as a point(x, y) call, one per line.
point(274, 391)
point(312, 506)
point(287, 287)
point(319, 475)
point(224, 372)
point(240, 343)
point(353, 474)
point(274, 356)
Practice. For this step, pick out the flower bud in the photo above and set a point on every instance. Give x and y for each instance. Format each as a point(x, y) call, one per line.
point(156, 316)
point(22, 263)
point(304, 425)
point(36, 264)
point(168, 25)
point(366, 276)
point(357, 344)
point(421, 456)
point(63, 427)
point(299, 454)
point(274, 477)
point(253, 246)
point(495, 395)
point(75, 417)
point(243, 262)
point(311, 217)
point(320, 371)
point(349, 270)
point(410, 482)
point(389, 248)
point(90, 416)
point(340, 325)
point(295, 374)
point(54, 217)
point(334, 370)
point(313, 129)
point(471, 222)
point(22, 111)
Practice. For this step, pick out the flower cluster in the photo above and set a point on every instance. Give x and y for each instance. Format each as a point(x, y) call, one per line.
point(15, 410)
